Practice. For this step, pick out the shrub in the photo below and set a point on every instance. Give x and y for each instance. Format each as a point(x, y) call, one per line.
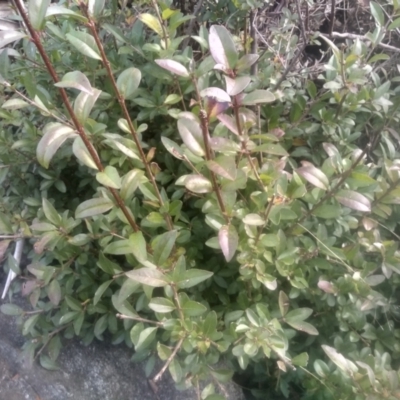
point(197, 208)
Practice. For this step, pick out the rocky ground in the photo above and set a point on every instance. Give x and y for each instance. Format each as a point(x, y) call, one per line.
point(97, 372)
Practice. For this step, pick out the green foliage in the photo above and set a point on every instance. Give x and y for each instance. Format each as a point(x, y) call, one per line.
point(177, 203)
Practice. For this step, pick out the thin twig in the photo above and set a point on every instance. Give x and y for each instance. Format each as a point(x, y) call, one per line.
point(165, 34)
point(32, 103)
point(290, 66)
point(364, 38)
point(50, 68)
point(302, 28)
point(49, 337)
point(178, 303)
point(169, 360)
point(332, 20)
point(140, 319)
point(191, 24)
point(92, 26)
point(254, 42)
point(208, 151)
point(331, 192)
point(236, 107)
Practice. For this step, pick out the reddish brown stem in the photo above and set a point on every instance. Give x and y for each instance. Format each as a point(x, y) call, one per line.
point(209, 153)
point(92, 26)
point(244, 148)
point(36, 39)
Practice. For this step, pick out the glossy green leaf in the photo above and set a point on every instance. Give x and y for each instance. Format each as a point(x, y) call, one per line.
point(54, 135)
point(314, 175)
point(394, 25)
point(124, 145)
point(377, 13)
point(253, 219)
point(128, 81)
point(148, 276)
point(84, 43)
point(107, 265)
point(299, 314)
point(75, 80)
point(303, 327)
point(217, 93)
point(92, 207)
point(5, 224)
point(271, 148)
point(109, 177)
point(321, 368)
point(146, 336)
point(198, 184)
point(161, 305)
point(328, 211)
point(192, 308)
point(353, 200)
point(54, 292)
point(228, 239)
point(237, 85)
point(100, 326)
point(82, 153)
point(152, 22)
point(191, 134)
point(130, 182)
point(14, 104)
point(162, 246)
point(47, 363)
point(222, 47)
point(301, 360)
point(84, 103)
point(73, 304)
point(258, 97)
point(163, 351)
point(224, 166)
point(100, 291)
point(344, 364)
point(172, 147)
point(11, 309)
point(246, 62)
point(174, 67)
point(175, 370)
point(283, 303)
point(68, 317)
point(8, 36)
point(37, 11)
point(56, 9)
point(172, 99)
point(50, 212)
point(193, 277)
point(138, 246)
point(95, 7)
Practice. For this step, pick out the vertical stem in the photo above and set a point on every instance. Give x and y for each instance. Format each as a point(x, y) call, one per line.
point(209, 153)
point(165, 34)
point(209, 156)
point(36, 40)
point(121, 100)
point(332, 20)
point(170, 358)
point(254, 44)
point(239, 128)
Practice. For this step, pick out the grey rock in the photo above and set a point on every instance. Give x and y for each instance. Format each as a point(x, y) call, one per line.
point(96, 372)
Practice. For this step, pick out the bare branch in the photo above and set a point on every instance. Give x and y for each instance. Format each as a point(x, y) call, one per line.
point(364, 38)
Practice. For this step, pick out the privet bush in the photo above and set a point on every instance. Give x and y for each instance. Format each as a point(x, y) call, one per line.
point(172, 200)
